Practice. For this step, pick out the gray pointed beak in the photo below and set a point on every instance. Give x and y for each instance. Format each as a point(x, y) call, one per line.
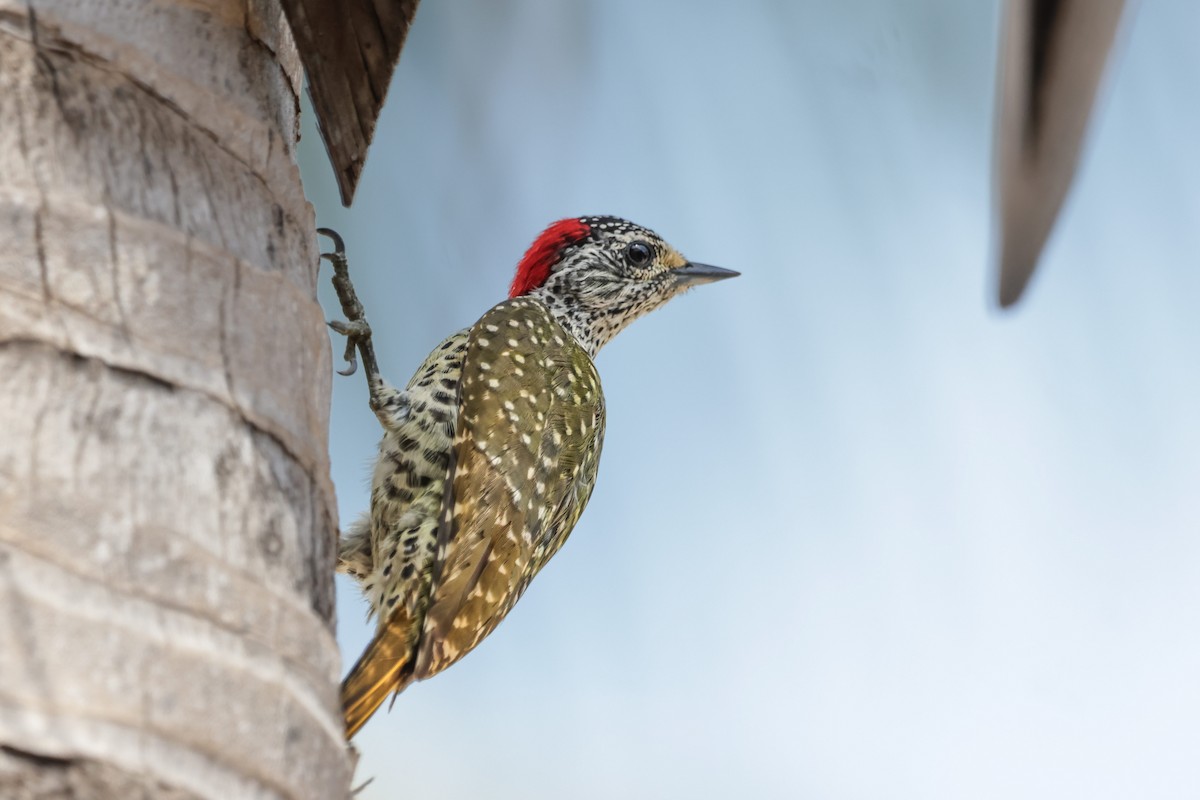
point(693, 274)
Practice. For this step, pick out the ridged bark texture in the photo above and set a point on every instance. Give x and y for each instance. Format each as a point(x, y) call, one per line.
point(167, 523)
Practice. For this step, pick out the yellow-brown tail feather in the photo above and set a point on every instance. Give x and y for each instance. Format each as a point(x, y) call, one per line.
point(385, 667)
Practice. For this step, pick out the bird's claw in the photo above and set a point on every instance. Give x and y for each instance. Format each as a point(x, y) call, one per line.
point(351, 356)
point(339, 246)
point(355, 331)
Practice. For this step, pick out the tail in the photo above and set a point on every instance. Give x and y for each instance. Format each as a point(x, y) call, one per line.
point(385, 667)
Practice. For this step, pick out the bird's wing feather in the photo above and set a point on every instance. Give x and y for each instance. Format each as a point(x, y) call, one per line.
point(528, 437)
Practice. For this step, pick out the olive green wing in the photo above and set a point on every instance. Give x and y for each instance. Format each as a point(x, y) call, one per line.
point(528, 439)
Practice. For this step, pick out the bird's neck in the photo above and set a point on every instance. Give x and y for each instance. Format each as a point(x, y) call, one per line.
point(592, 328)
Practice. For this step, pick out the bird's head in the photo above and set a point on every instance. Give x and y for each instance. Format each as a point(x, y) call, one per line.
point(598, 274)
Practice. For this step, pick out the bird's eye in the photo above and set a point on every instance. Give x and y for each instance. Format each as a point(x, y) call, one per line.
point(638, 254)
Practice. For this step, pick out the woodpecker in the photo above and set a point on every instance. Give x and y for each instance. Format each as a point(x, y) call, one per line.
point(490, 453)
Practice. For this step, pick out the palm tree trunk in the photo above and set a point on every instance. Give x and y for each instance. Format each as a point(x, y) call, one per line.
point(167, 523)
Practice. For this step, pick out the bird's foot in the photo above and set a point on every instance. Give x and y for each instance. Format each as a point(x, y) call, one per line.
point(355, 328)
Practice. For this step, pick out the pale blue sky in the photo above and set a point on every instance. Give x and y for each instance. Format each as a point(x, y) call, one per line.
point(856, 534)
